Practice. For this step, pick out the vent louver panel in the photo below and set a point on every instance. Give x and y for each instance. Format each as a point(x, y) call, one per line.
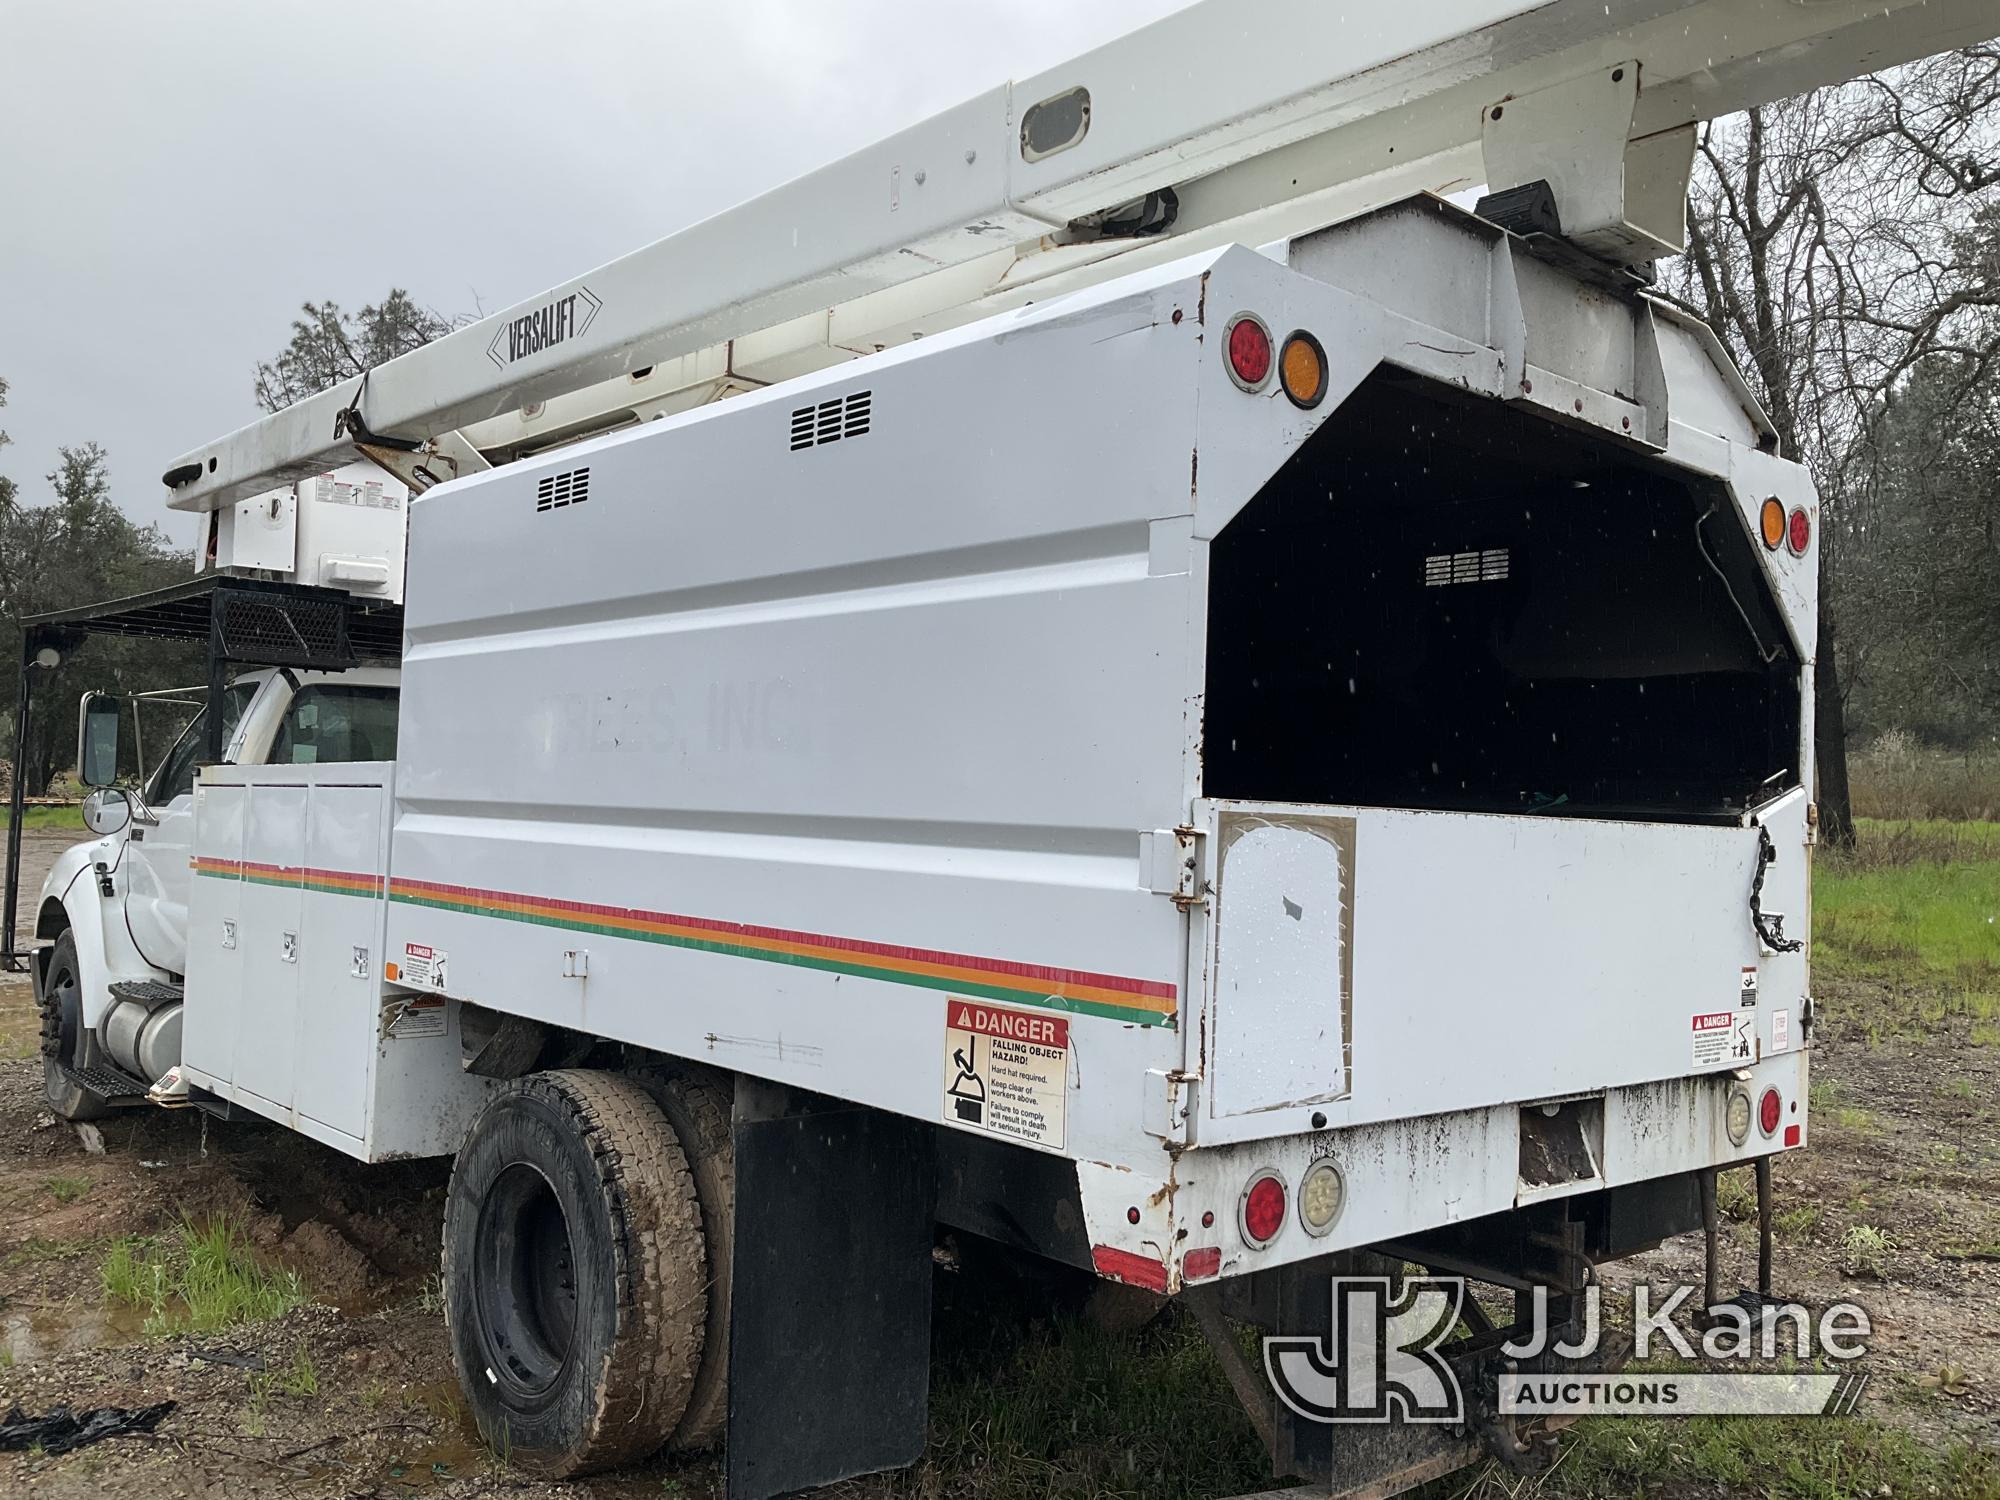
point(1490, 565)
point(831, 420)
point(571, 487)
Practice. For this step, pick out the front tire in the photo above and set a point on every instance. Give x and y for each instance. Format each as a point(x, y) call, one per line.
point(574, 1273)
point(64, 1038)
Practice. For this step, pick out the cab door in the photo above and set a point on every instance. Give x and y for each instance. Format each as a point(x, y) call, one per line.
point(155, 870)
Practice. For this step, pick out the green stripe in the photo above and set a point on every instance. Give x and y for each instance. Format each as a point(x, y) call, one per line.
point(802, 961)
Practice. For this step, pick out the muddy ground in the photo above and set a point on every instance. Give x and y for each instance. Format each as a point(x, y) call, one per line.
point(1906, 1142)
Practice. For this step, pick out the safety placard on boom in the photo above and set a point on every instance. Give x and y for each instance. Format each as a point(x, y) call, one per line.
point(1006, 1072)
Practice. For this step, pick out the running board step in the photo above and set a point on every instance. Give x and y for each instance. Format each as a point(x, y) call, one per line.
point(148, 992)
point(108, 1084)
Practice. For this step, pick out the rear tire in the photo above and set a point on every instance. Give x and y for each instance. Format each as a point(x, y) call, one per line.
point(64, 1038)
point(700, 1111)
point(574, 1273)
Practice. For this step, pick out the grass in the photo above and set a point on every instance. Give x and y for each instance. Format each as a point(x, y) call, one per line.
point(1796, 1223)
point(197, 1278)
point(1864, 1251)
point(1062, 1411)
point(65, 819)
point(1916, 907)
point(67, 1189)
point(1818, 1458)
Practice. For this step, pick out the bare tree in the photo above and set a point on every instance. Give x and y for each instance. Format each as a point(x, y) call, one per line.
point(1832, 247)
point(329, 346)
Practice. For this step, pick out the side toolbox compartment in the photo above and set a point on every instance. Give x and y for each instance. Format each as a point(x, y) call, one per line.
point(287, 1014)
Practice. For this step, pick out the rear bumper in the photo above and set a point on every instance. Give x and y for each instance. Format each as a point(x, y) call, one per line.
point(1407, 1176)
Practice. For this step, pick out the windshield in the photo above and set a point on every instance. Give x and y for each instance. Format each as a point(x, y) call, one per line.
point(175, 778)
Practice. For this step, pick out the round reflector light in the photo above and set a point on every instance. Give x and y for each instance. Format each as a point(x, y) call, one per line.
point(1263, 1209)
point(1769, 1110)
point(1302, 370)
point(1771, 522)
point(1738, 1118)
point(1249, 352)
point(1798, 533)
point(1321, 1194)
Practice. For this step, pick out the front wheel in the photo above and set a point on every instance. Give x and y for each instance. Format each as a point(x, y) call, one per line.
point(574, 1273)
point(64, 1038)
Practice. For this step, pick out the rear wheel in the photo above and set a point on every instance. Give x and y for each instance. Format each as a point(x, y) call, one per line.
point(64, 1040)
point(574, 1273)
point(699, 1110)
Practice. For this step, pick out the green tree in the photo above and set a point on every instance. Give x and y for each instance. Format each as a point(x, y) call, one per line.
point(1924, 575)
point(329, 346)
point(79, 548)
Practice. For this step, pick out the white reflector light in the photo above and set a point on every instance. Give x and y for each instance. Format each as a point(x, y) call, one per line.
point(1321, 1197)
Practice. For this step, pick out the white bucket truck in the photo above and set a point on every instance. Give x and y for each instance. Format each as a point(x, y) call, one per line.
point(1214, 767)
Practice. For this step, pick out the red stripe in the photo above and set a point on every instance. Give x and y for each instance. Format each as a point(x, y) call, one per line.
point(1134, 1270)
point(1040, 972)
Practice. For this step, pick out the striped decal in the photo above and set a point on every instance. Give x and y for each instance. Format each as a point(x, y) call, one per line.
point(304, 877)
point(1143, 1001)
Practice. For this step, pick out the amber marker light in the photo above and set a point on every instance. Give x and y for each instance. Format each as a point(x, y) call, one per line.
point(1302, 370)
point(1771, 521)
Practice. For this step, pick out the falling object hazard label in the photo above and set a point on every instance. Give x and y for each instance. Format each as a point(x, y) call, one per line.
point(422, 967)
point(1006, 1072)
point(1723, 1039)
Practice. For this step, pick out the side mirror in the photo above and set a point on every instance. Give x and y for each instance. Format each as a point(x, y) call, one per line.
point(97, 740)
point(106, 810)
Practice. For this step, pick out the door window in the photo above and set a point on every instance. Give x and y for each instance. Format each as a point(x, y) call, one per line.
point(335, 721)
point(175, 777)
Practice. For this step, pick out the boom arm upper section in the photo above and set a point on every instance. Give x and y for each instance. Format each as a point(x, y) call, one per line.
point(1234, 120)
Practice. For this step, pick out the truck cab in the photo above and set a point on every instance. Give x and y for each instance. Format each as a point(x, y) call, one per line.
point(115, 909)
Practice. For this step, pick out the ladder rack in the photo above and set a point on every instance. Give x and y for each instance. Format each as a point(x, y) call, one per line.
point(1233, 120)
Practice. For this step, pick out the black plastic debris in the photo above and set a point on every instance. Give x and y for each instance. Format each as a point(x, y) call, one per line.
point(64, 1431)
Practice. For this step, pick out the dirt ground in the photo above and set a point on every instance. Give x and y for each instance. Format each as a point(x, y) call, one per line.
point(1906, 1141)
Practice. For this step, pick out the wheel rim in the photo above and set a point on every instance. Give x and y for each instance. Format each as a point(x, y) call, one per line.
point(525, 1302)
point(65, 995)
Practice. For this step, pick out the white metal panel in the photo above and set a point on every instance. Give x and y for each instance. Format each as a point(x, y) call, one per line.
point(340, 945)
point(352, 525)
point(215, 938)
point(1405, 1176)
point(1502, 958)
point(1279, 982)
point(273, 906)
point(260, 533)
point(886, 698)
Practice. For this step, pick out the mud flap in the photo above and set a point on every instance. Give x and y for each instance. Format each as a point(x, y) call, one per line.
point(1353, 1459)
point(830, 1318)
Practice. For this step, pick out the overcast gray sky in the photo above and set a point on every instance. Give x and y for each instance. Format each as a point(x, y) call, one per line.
point(176, 178)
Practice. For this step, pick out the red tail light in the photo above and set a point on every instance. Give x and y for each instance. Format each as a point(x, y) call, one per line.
point(1249, 352)
point(1263, 1209)
point(1798, 532)
point(1769, 1110)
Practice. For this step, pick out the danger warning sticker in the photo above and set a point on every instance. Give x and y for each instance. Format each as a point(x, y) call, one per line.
point(1006, 1072)
point(422, 967)
point(1723, 1039)
point(418, 1016)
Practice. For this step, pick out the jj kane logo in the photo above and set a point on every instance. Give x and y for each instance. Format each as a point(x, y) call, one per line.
point(1385, 1358)
point(556, 321)
point(1382, 1362)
